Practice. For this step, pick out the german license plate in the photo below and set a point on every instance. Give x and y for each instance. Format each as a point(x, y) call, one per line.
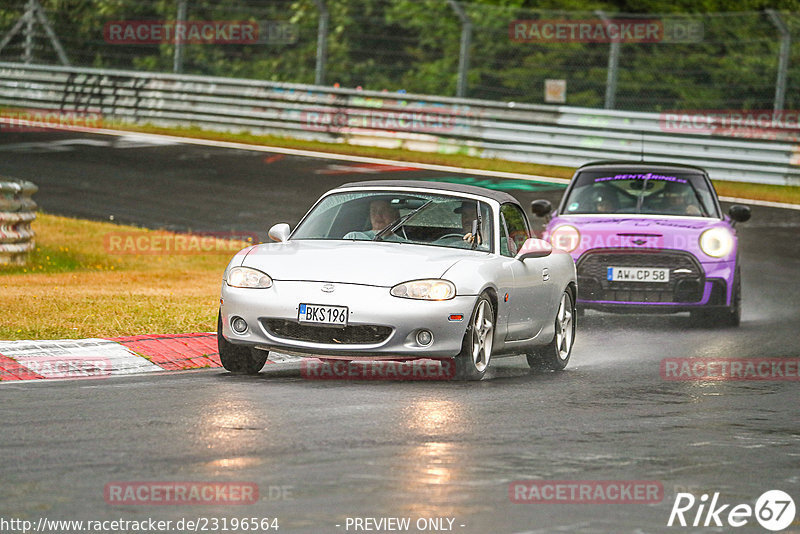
point(318, 314)
point(638, 274)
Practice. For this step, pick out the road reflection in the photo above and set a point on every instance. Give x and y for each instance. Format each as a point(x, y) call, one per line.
point(431, 475)
point(229, 426)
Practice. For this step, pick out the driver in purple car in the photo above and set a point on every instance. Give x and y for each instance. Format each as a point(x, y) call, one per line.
point(679, 200)
point(605, 203)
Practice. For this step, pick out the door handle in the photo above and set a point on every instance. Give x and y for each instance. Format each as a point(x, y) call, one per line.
point(545, 274)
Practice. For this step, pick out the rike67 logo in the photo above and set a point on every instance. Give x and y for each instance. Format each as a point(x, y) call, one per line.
point(774, 510)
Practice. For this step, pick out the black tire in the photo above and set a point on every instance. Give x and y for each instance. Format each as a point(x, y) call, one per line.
point(476, 348)
point(730, 317)
point(239, 359)
point(555, 355)
point(734, 314)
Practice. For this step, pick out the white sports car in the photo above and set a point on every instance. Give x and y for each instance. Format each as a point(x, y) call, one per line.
point(398, 270)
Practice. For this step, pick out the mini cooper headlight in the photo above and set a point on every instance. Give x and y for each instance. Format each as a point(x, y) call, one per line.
point(565, 237)
point(247, 277)
point(436, 289)
point(716, 242)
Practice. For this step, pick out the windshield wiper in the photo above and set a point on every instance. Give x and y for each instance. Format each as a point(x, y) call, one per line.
point(640, 200)
point(703, 211)
point(400, 221)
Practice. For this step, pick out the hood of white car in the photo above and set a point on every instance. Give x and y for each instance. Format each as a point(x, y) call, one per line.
point(353, 262)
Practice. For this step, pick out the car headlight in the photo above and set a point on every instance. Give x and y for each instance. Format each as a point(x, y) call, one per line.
point(247, 277)
point(565, 238)
point(716, 242)
point(436, 289)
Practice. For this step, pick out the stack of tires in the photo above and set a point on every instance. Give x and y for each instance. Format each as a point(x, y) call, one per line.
point(17, 211)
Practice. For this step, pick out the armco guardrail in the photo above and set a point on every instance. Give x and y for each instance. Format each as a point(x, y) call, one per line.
point(555, 135)
point(17, 211)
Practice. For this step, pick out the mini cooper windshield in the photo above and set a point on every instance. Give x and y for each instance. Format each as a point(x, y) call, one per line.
point(647, 193)
point(405, 217)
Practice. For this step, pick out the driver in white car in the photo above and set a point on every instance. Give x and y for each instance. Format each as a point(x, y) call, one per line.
point(381, 215)
point(468, 212)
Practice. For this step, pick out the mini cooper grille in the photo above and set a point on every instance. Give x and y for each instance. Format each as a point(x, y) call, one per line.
point(686, 285)
point(349, 335)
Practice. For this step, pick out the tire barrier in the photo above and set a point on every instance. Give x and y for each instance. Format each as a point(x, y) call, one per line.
point(17, 211)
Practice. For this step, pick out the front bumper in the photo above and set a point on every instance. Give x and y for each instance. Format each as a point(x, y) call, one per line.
point(692, 284)
point(380, 326)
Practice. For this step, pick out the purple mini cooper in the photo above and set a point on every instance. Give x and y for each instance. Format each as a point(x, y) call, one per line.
point(649, 237)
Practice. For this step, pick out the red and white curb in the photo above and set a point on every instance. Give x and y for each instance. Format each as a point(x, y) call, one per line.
point(97, 358)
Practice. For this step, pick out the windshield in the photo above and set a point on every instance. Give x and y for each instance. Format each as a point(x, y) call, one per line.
point(420, 218)
point(646, 193)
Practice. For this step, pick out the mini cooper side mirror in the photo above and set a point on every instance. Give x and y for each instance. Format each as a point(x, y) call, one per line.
point(534, 248)
point(541, 208)
point(739, 213)
point(280, 232)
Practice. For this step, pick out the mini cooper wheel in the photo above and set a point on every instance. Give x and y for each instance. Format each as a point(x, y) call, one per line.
point(555, 355)
point(239, 359)
point(476, 349)
point(731, 316)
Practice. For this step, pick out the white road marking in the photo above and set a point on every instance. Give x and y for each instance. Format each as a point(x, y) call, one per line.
point(64, 145)
point(76, 358)
point(67, 145)
point(766, 203)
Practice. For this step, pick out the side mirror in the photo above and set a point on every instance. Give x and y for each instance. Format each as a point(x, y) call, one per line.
point(534, 248)
point(739, 213)
point(280, 232)
point(541, 208)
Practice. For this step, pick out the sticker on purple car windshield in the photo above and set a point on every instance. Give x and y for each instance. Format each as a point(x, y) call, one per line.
point(648, 176)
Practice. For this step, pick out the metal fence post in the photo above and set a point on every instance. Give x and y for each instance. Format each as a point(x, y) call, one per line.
point(29, 18)
point(783, 58)
point(33, 12)
point(613, 66)
point(322, 42)
point(177, 60)
point(466, 41)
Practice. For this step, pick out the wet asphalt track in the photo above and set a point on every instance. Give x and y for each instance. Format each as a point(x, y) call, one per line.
point(401, 449)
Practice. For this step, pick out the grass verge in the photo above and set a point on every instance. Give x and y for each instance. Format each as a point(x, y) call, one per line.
point(77, 286)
